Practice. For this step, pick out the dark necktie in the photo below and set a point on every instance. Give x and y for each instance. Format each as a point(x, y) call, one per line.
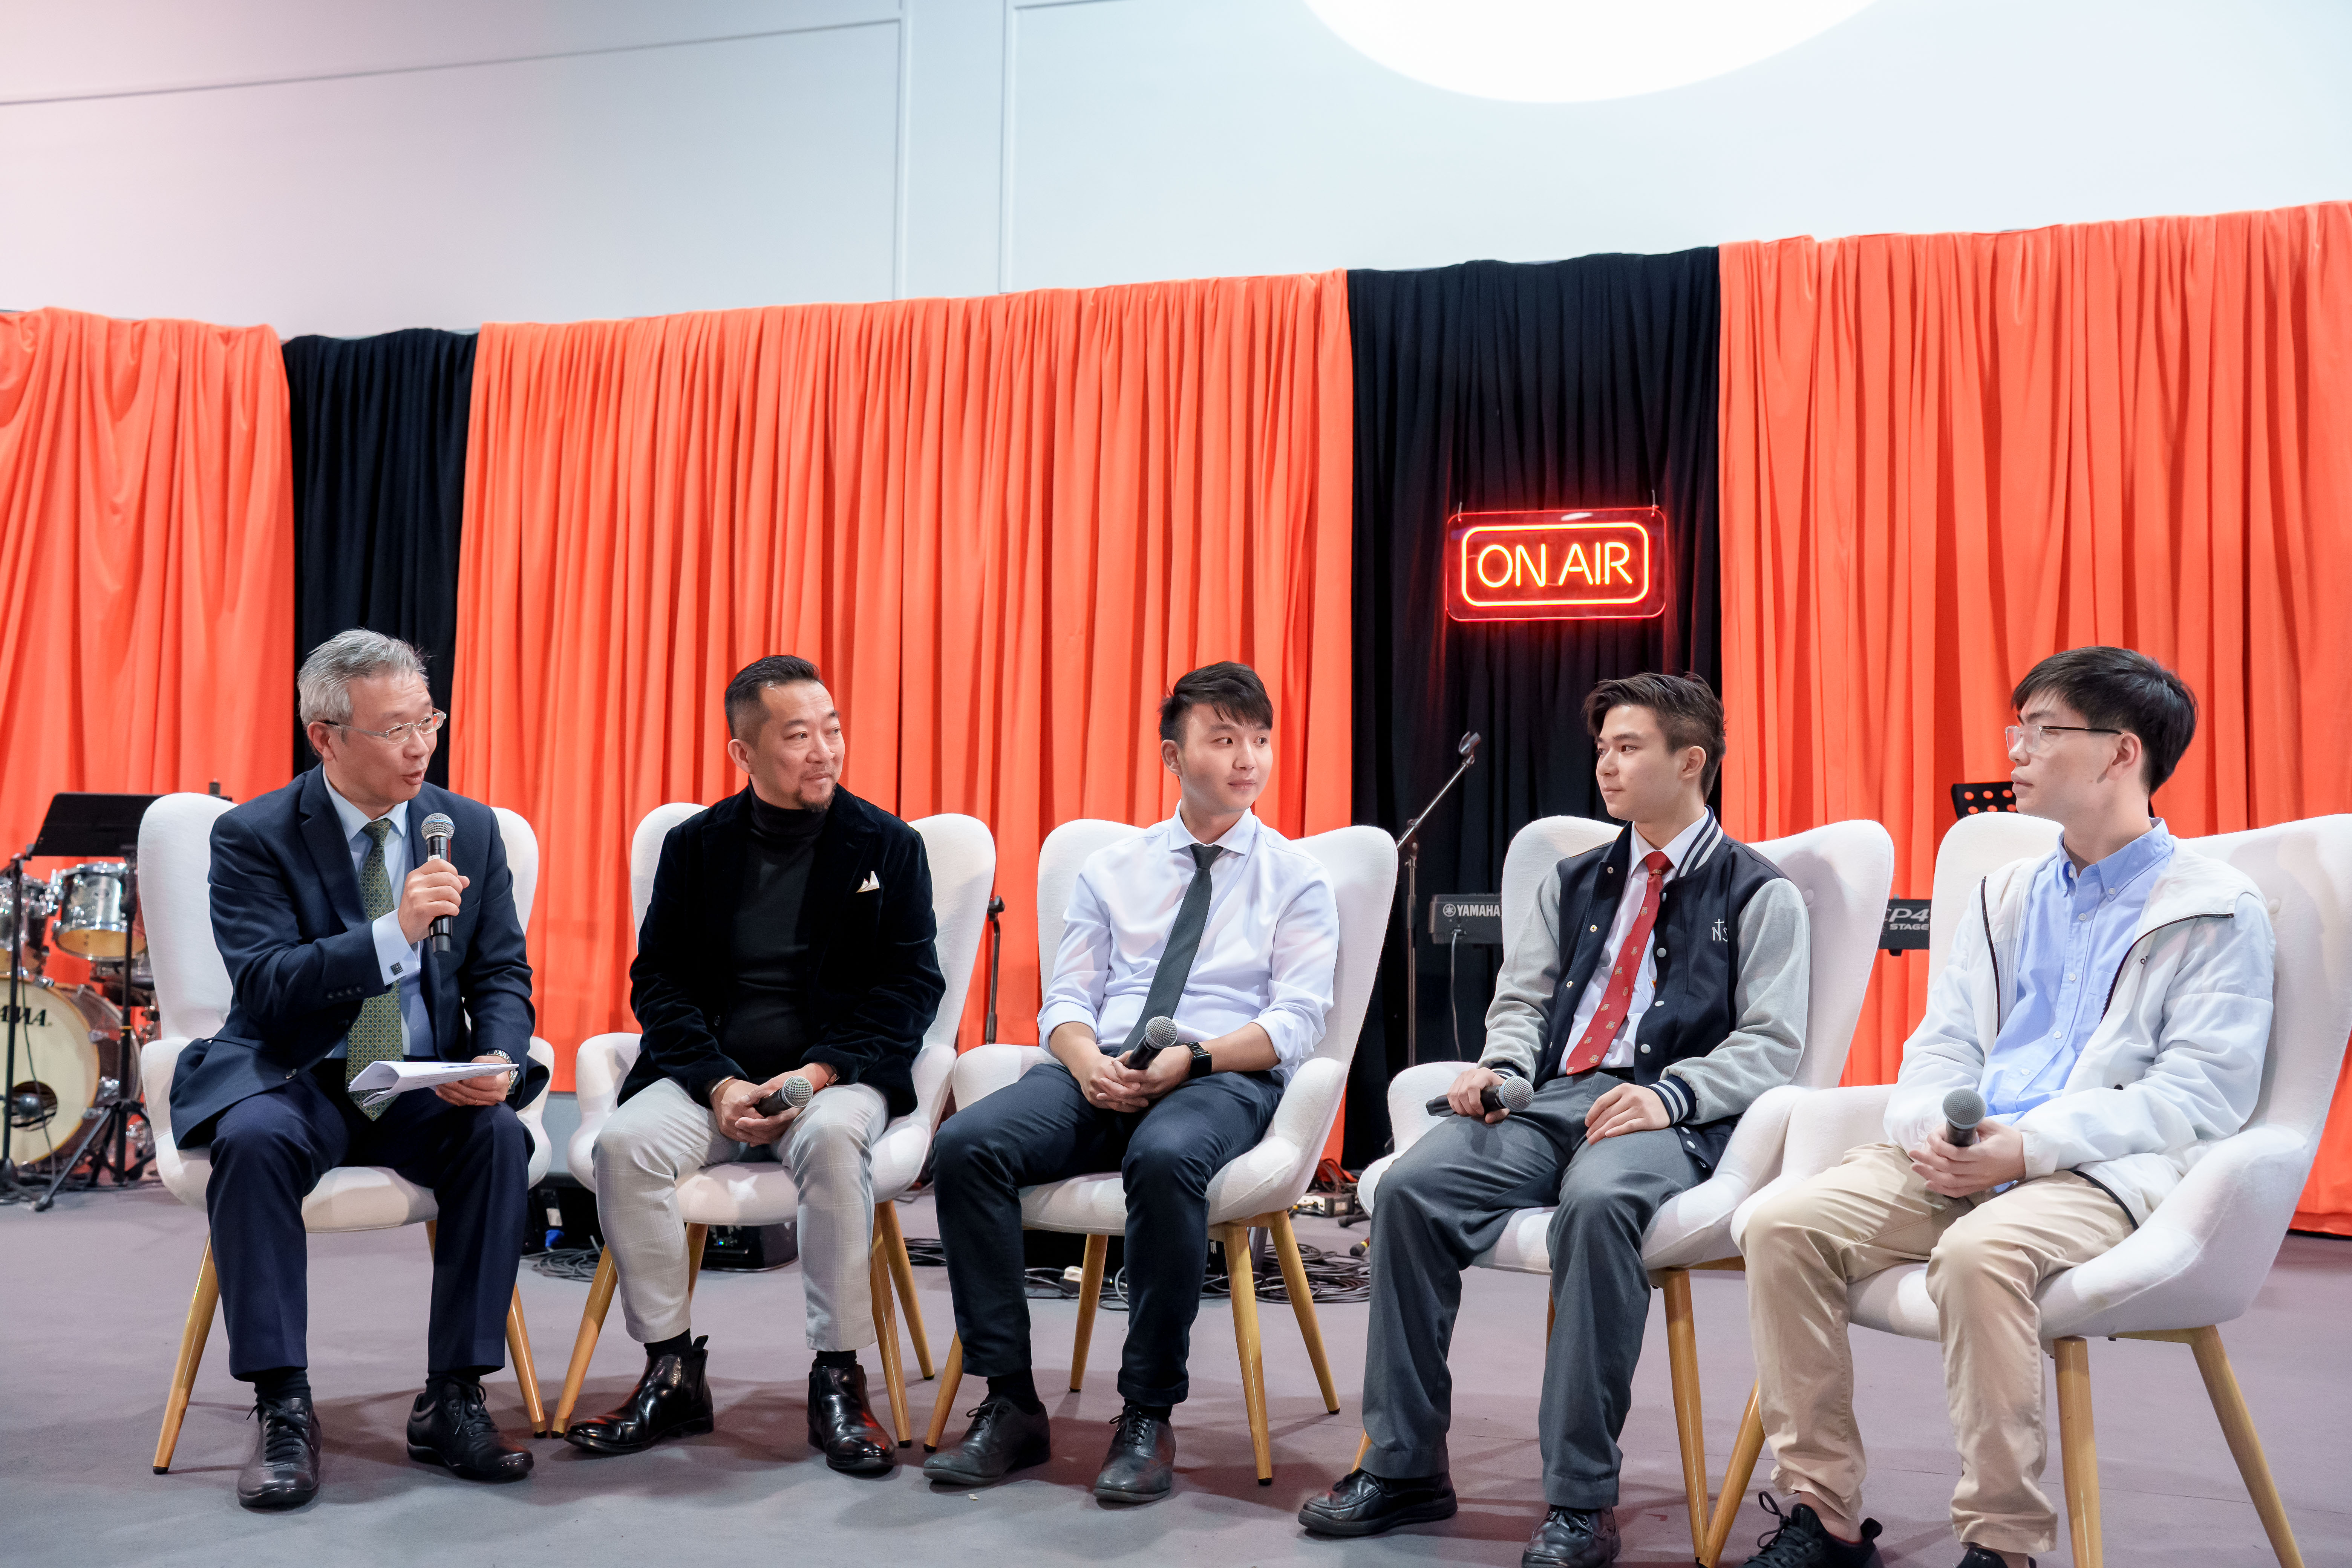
point(1183, 942)
point(375, 1033)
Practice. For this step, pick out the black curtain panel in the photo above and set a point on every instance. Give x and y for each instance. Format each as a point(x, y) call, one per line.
point(379, 493)
point(1493, 387)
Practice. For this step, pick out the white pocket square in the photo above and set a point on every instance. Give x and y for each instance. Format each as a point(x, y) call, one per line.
point(873, 884)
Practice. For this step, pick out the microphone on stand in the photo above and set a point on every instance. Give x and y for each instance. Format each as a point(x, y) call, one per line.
point(1963, 1109)
point(438, 831)
point(795, 1094)
point(1511, 1094)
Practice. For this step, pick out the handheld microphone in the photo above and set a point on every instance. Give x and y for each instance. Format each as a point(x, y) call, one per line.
point(1511, 1094)
point(438, 831)
point(1158, 1035)
point(795, 1094)
point(1963, 1109)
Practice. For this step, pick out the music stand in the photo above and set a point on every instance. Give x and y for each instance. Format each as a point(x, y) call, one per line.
point(104, 826)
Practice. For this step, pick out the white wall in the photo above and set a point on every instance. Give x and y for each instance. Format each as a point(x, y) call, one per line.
point(376, 164)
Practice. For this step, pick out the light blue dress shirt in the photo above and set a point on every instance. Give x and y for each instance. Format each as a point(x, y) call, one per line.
point(401, 962)
point(2078, 927)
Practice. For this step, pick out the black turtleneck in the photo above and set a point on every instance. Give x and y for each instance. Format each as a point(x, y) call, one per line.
point(763, 1029)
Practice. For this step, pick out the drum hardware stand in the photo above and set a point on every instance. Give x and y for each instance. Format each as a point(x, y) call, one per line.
point(12, 1187)
point(1467, 750)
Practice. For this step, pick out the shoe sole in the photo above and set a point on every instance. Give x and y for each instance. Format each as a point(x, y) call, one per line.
point(275, 1502)
point(881, 1466)
point(593, 1445)
point(1420, 1513)
point(1022, 1459)
point(427, 1457)
point(1130, 1499)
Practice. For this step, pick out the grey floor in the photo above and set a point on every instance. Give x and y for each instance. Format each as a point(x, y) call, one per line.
point(92, 1296)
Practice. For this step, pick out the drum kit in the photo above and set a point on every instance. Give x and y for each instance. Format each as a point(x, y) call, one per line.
point(72, 1100)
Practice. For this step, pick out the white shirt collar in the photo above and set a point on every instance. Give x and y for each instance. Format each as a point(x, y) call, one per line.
point(354, 820)
point(1239, 838)
point(1679, 850)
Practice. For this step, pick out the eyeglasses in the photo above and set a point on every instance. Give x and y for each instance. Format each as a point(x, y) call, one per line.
point(399, 733)
point(2030, 738)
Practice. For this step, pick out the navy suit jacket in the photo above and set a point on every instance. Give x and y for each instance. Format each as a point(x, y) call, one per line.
point(288, 922)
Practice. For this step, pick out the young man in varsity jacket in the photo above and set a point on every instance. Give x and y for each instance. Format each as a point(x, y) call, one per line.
point(1659, 986)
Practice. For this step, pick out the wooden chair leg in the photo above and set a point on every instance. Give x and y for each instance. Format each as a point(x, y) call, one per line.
point(1364, 1446)
point(1736, 1476)
point(1682, 1363)
point(592, 1324)
point(1089, 1298)
point(1242, 1285)
point(1302, 1302)
point(902, 1275)
point(526, 1374)
point(193, 1335)
point(951, 1375)
point(695, 1234)
point(2078, 1448)
point(2245, 1446)
point(886, 1336)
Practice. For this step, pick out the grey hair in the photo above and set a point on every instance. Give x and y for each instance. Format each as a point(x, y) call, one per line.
point(323, 686)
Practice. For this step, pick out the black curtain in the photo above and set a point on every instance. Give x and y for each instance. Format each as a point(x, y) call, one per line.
point(1493, 387)
point(379, 494)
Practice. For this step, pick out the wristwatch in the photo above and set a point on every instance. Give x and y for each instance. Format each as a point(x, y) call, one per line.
point(1203, 1065)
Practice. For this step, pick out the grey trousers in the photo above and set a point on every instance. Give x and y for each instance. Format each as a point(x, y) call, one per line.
point(661, 1136)
point(1443, 1204)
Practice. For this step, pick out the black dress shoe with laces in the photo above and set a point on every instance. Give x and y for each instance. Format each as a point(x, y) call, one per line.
point(1002, 1439)
point(1803, 1541)
point(1573, 1538)
point(841, 1425)
point(1986, 1557)
point(671, 1400)
point(450, 1426)
point(1362, 1503)
point(1141, 1464)
point(284, 1469)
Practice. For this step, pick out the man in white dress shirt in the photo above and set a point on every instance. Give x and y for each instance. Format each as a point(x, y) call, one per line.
point(1214, 920)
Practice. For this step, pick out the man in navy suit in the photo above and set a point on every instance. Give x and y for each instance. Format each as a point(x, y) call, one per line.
point(322, 896)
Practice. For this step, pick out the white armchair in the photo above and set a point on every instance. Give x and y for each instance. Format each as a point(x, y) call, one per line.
point(963, 856)
point(193, 995)
point(1254, 1191)
point(1844, 870)
point(2206, 1251)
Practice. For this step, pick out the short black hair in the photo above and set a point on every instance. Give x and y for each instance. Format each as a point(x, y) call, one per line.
point(745, 709)
point(1686, 707)
point(2116, 689)
point(1232, 689)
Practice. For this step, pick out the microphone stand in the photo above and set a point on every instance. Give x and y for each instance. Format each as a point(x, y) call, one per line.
point(12, 1185)
point(1407, 842)
point(995, 938)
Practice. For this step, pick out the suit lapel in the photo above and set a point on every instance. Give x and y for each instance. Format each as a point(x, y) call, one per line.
point(725, 844)
point(843, 847)
point(323, 834)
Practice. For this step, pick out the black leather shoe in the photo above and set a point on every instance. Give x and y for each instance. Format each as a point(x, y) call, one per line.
point(1362, 1503)
point(1141, 1464)
point(1002, 1439)
point(449, 1426)
point(1803, 1541)
point(671, 1400)
point(842, 1425)
point(1573, 1538)
point(1986, 1557)
point(284, 1469)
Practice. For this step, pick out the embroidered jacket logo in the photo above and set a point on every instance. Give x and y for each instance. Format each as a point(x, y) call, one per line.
point(1720, 933)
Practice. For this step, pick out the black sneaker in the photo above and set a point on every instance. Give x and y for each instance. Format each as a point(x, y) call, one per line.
point(1986, 1557)
point(1803, 1541)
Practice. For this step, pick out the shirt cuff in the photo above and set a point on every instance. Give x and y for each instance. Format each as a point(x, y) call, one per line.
point(1058, 1014)
point(396, 955)
point(1679, 1100)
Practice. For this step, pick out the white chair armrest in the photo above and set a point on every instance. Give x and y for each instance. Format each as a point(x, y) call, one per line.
point(1822, 1124)
point(533, 1114)
point(984, 1069)
point(598, 1068)
point(1409, 1093)
point(1695, 1226)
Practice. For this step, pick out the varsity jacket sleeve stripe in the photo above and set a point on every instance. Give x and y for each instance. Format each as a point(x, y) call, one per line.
point(1523, 990)
point(1770, 1000)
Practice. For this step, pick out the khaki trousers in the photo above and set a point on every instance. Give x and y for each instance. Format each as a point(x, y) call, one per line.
point(1986, 1258)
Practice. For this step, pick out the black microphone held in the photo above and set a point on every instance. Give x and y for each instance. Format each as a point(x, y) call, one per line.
point(795, 1094)
point(1158, 1035)
point(438, 831)
point(1963, 1109)
point(1511, 1094)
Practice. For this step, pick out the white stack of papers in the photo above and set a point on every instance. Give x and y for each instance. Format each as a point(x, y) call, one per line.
point(379, 1081)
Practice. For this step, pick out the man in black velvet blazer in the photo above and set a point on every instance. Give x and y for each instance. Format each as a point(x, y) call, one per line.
point(789, 936)
point(323, 898)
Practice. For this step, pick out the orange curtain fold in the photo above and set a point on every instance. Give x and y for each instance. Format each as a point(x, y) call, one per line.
point(1000, 526)
point(146, 561)
point(1945, 457)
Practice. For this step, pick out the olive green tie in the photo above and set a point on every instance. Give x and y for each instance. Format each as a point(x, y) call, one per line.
point(375, 1035)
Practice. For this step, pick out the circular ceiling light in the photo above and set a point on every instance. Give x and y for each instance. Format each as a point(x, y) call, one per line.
point(1571, 51)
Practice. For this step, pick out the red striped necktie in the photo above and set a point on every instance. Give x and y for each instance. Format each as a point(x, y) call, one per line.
point(1599, 1033)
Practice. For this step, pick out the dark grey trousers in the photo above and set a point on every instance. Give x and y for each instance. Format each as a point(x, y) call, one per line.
point(1443, 1203)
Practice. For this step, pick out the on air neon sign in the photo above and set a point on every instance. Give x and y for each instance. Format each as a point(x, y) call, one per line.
point(1603, 565)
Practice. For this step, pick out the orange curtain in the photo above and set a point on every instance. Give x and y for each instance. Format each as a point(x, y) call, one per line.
point(146, 561)
point(1000, 526)
point(1948, 455)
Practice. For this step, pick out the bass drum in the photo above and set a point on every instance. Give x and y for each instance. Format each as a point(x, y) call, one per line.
point(57, 1063)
